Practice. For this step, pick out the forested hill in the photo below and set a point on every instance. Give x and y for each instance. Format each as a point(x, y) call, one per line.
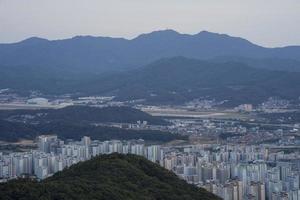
point(15, 131)
point(179, 80)
point(107, 177)
point(80, 114)
point(232, 68)
point(75, 122)
point(175, 80)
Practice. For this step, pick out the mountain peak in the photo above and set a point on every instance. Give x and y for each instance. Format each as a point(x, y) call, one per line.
point(34, 40)
point(160, 33)
point(208, 33)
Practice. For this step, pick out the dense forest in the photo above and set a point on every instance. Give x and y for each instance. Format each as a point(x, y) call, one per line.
point(179, 80)
point(14, 131)
point(107, 177)
point(75, 122)
point(83, 114)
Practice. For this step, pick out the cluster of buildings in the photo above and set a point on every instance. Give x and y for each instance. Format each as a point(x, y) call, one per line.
point(236, 132)
point(238, 172)
point(274, 105)
point(244, 108)
point(10, 99)
point(203, 104)
point(54, 155)
point(233, 172)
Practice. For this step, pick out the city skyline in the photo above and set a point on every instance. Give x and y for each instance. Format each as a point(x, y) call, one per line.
point(230, 171)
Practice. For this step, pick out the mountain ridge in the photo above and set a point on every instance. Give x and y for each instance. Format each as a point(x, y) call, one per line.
point(174, 80)
point(180, 79)
point(156, 32)
point(101, 54)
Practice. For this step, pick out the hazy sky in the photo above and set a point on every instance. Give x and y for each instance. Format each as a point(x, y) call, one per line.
point(266, 22)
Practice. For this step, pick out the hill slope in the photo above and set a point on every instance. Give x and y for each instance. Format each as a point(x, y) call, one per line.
point(15, 131)
point(74, 122)
point(10, 131)
point(111, 177)
point(68, 66)
point(178, 80)
point(82, 114)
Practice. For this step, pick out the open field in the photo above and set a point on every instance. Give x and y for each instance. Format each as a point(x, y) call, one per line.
point(174, 112)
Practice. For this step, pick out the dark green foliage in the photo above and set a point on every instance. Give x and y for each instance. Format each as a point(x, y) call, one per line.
point(177, 80)
point(106, 114)
point(13, 131)
point(75, 122)
point(66, 130)
point(80, 114)
point(107, 177)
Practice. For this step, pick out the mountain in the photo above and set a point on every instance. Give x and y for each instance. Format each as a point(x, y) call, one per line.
point(232, 69)
point(107, 177)
point(178, 80)
point(89, 54)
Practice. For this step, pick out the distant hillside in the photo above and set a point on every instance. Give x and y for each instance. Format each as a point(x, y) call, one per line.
point(10, 131)
point(83, 114)
point(15, 131)
point(111, 177)
point(174, 80)
point(106, 114)
point(75, 122)
point(86, 64)
point(68, 130)
point(178, 80)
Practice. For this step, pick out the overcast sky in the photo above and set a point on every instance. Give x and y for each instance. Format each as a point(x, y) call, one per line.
point(265, 22)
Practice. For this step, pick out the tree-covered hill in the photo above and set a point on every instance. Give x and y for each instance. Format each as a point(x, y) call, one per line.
point(179, 80)
point(80, 114)
point(107, 177)
point(84, 65)
point(75, 122)
point(14, 131)
point(11, 131)
point(175, 80)
point(106, 114)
